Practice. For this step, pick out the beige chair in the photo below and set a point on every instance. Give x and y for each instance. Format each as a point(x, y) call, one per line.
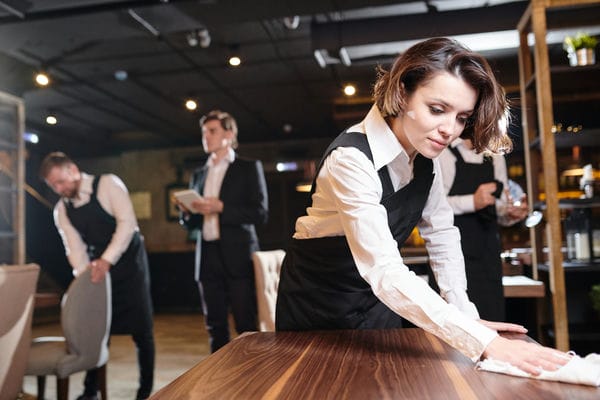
point(267, 265)
point(17, 297)
point(85, 320)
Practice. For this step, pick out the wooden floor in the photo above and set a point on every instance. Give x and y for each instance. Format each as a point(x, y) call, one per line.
point(181, 342)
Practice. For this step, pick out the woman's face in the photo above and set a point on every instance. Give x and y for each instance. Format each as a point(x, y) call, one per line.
point(436, 113)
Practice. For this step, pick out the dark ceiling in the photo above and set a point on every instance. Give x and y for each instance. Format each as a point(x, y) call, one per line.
point(279, 92)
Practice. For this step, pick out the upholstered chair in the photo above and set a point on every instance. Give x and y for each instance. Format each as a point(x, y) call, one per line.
point(267, 266)
point(85, 321)
point(17, 297)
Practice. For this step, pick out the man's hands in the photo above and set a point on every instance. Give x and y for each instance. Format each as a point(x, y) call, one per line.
point(100, 268)
point(208, 205)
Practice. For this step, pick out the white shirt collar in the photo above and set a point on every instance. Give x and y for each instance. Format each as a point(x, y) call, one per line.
point(384, 144)
point(456, 142)
point(229, 158)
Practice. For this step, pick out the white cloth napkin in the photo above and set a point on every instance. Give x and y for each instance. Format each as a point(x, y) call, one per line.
point(584, 371)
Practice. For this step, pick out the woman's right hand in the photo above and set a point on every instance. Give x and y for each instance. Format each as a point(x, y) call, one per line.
point(529, 357)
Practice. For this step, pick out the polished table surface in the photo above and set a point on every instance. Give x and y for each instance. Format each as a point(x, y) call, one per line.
point(361, 364)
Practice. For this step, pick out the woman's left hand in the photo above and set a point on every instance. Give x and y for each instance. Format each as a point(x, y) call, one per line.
point(504, 326)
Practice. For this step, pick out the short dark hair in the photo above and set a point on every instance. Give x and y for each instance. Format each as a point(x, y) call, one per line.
point(54, 159)
point(227, 122)
point(421, 62)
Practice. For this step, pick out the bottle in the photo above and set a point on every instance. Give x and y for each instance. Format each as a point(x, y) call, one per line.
point(581, 237)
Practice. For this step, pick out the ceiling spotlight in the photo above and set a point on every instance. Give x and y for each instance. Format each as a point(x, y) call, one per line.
point(192, 39)
point(349, 90)
point(234, 61)
point(51, 120)
point(42, 79)
point(292, 22)
point(204, 38)
point(345, 57)
point(191, 104)
point(320, 57)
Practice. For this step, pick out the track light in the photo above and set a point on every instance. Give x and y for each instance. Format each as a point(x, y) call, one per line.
point(192, 39)
point(320, 58)
point(292, 22)
point(204, 38)
point(198, 37)
point(344, 57)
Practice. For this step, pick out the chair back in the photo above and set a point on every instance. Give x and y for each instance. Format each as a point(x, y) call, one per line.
point(267, 266)
point(17, 297)
point(85, 319)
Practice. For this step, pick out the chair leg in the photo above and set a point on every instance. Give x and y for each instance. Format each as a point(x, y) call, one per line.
point(41, 387)
point(62, 388)
point(102, 381)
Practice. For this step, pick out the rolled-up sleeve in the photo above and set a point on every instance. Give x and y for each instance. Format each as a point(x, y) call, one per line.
point(75, 248)
point(114, 198)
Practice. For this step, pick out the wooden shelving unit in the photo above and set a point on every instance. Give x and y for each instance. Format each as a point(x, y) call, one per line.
point(538, 97)
point(12, 180)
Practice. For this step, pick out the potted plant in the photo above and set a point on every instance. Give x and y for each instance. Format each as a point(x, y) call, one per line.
point(580, 49)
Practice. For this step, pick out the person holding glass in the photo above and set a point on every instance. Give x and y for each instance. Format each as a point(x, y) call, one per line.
point(478, 192)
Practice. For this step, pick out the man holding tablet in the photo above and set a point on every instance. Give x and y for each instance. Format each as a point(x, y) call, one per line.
point(233, 200)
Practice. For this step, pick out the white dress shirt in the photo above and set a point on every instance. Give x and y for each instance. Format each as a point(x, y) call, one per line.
point(114, 198)
point(347, 202)
point(212, 188)
point(465, 204)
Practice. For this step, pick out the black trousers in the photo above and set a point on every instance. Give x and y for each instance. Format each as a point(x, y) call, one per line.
point(144, 343)
point(220, 291)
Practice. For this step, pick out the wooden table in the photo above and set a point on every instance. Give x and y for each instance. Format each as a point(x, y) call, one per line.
point(368, 364)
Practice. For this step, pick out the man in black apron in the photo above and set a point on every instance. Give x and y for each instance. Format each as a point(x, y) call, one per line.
point(96, 221)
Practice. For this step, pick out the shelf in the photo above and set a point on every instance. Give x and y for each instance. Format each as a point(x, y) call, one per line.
point(7, 235)
point(566, 204)
point(565, 140)
point(575, 266)
point(571, 80)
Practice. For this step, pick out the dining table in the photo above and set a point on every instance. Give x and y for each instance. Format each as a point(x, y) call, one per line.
point(407, 363)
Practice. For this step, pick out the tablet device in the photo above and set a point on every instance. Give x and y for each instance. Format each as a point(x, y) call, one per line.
point(186, 197)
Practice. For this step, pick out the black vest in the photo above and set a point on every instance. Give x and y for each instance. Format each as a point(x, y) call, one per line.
point(320, 287)
point(132, 309)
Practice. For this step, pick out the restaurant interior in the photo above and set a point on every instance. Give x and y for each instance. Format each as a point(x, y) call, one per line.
point(120, 85)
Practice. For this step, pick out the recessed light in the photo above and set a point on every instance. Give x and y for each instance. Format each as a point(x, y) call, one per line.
point(349, 90)
point(42, 79)
point(235, 61)
point(51, 120)
point(191, 104)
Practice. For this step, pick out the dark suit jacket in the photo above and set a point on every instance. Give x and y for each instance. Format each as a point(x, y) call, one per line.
point(245, 204)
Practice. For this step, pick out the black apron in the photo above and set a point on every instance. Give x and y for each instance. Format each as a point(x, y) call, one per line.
point(130, 277)
point(480, 240)
point(320, 287)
